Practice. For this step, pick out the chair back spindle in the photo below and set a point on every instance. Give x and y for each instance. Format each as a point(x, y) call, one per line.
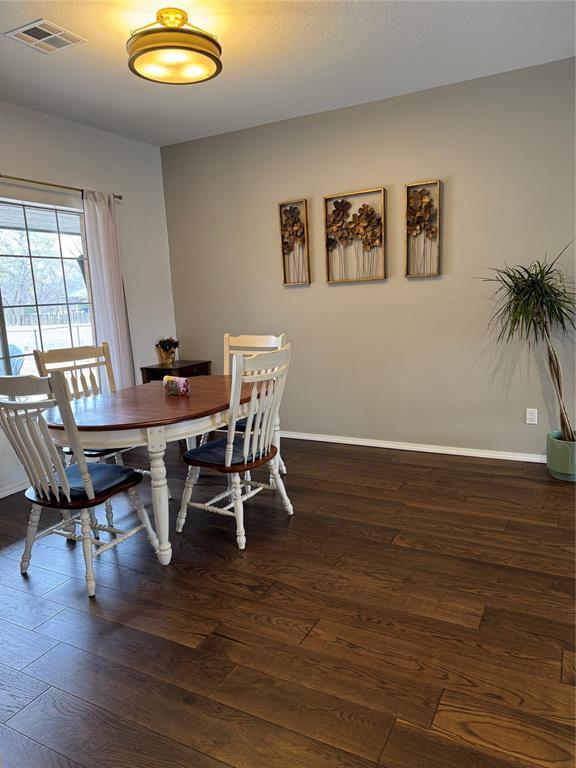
point(23, 400)
point(266, 373)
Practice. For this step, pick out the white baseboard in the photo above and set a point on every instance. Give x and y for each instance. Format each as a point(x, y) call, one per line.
point(8, 490)
point(371, 443)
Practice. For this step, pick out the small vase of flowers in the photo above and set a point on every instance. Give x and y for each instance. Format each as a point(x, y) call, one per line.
point(166, 349)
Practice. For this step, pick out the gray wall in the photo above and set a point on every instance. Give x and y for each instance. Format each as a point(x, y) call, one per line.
point(403, 360)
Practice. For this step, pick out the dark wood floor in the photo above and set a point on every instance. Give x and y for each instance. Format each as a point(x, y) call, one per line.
point(415, 613)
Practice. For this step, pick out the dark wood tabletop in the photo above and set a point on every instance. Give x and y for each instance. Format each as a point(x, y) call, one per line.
point(146, 405)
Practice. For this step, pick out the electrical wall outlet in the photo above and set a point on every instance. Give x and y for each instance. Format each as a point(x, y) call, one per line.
point(531, 415)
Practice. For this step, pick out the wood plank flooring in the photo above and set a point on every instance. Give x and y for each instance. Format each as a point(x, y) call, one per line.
point(416, 612)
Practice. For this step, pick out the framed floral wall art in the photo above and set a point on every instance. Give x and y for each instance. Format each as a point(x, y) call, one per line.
point(423, 229)
point(355, 236)
point(294, 236)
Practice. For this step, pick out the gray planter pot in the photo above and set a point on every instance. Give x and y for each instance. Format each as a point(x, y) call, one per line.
point(561, 457)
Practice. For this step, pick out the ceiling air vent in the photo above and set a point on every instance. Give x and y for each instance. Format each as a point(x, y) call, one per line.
point(44, 36)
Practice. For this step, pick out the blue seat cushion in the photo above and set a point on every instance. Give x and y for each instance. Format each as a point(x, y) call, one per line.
point(214, 454)
point(107, 479)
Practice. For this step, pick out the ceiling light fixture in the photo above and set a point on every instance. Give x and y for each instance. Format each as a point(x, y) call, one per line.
point(172, 51)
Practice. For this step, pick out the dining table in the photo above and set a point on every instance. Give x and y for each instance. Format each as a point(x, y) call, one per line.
point(144, 415)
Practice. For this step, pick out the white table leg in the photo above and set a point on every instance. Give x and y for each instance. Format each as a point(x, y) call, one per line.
point(156, 449)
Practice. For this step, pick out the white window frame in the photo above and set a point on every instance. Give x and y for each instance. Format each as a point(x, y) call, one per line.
point(5, 358)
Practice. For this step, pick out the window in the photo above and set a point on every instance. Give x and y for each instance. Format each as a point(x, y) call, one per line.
point(45, 298)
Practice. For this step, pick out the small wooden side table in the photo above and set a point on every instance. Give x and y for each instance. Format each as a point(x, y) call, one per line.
point(184, 368)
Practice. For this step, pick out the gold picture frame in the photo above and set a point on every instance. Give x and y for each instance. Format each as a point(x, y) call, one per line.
point(355, 236)
point(423, 229)
point(294, 241)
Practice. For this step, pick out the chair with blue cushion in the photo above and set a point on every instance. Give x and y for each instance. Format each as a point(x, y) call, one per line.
point(257, 387)
point(249, 345)
point(75, 490)
point(88, 371)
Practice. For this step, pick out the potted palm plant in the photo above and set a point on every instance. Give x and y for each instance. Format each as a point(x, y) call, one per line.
point(534, 302)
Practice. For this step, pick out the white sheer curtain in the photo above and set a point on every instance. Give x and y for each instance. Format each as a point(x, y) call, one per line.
point(110, 314)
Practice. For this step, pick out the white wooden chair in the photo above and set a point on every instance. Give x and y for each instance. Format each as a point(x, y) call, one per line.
point(75, 490)
point(87, 370)
point(238, 453)
point(248, 345)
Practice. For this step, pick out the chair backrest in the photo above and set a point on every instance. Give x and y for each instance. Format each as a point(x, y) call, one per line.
point(82, 366)
point(266, 373)
point(23, 400)
point(248, 345)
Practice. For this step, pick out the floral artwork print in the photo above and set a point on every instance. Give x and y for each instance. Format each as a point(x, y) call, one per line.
point(294, 245)
point(354, 240)
point(422, 229)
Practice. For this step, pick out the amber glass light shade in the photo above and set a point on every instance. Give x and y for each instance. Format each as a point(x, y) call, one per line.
point(176, 56)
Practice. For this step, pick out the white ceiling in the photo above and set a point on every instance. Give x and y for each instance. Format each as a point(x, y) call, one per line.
point(282, 58)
